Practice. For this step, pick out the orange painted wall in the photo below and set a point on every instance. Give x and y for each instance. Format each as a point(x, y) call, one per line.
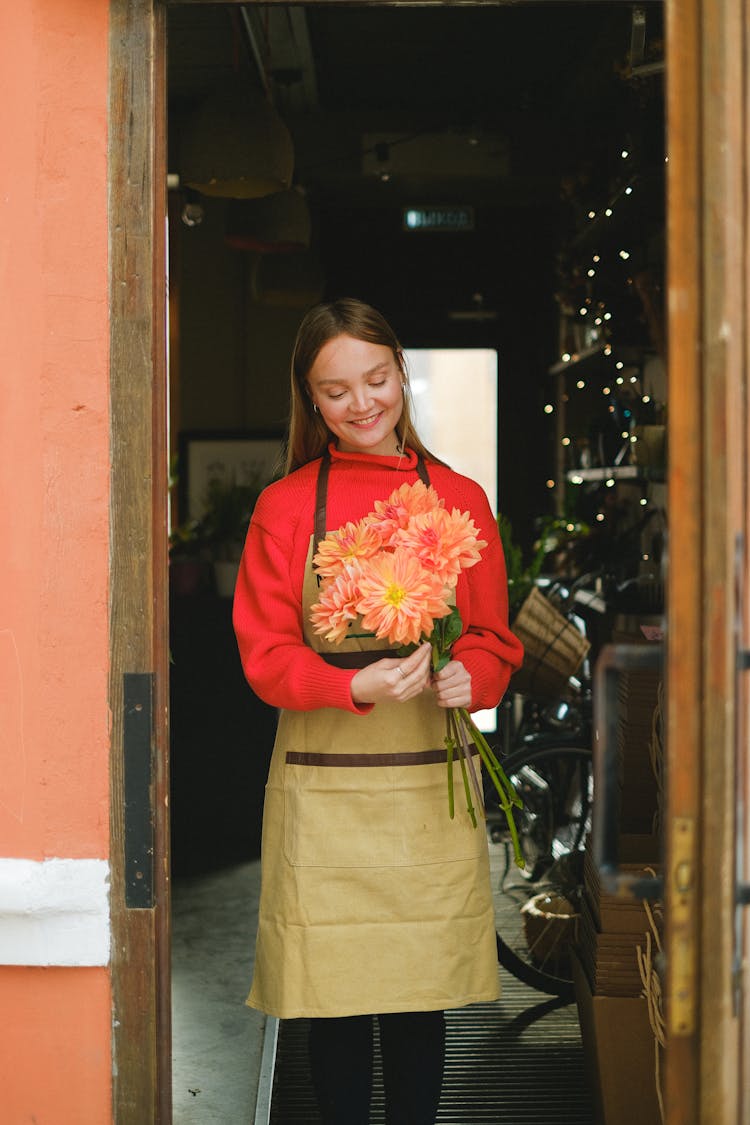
point(55, 1033)
point(54, 446)
point(56, 1068)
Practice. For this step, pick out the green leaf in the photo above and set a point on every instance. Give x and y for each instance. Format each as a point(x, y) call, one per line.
point(452, 627)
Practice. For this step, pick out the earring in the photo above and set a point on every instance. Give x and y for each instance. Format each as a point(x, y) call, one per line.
point(315, 408)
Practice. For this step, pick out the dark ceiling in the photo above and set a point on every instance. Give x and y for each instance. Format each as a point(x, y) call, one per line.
point(534, 89)
point(521, 110)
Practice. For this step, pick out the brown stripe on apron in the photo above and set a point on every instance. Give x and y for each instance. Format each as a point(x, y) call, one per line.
point(356, 659)
point(407, 758)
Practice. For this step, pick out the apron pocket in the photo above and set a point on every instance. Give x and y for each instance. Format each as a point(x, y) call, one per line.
point(339, 817)
point(377, 816)
point(426, 833)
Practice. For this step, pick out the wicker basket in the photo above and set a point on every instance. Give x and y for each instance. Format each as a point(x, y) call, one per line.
point(553, 648)
point(550, 924)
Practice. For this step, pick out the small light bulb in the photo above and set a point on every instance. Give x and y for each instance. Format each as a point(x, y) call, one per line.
point(628, 191)
point(565, 357)
point(596, 258)
point(624, 434)
point(581, 384)
point(611, 482)
point(549, 408)
point(643, 501)
point(608, 350)
point(619, 380)
point(570, 527)
point(619, 365)
point(633, 378)
point(624, 154)
point(633, 438)
point(600, 517)
point(576, 480)
point(608, 212)
point(598, 320)
point(592, 214)
point(645, 557)
point(583, 310)
point(606, 390)
point(646, 398)
point(608, 316)
point(591, 273)
point(624, 254)
point(550, 484)
point(566, 441)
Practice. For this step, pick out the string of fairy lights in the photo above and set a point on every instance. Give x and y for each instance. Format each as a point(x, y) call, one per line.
point(593, 323)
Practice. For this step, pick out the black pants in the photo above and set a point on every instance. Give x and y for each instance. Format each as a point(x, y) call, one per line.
point(412, 1047)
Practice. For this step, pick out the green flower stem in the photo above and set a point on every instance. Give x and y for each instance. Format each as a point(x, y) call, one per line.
point(450, 747)
point(506, 792)
point(467, 790)
point(461, 730)
point(490, 758)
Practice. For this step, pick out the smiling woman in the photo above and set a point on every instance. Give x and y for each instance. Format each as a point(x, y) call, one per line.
point(357, 831)
point(358, 389)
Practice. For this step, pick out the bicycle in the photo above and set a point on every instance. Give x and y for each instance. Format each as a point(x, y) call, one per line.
point(546, 753)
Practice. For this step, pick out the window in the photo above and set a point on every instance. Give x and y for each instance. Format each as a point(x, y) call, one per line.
point(455, 412)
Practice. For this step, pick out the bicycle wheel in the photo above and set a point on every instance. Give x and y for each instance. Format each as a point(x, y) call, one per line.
point(535, 932)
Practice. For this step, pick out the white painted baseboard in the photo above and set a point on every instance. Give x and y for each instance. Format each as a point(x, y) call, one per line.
point(54, 912)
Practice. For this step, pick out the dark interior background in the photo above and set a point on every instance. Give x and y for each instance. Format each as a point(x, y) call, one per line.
point(544, 97)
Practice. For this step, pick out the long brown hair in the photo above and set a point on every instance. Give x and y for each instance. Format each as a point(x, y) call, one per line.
point(308, 434)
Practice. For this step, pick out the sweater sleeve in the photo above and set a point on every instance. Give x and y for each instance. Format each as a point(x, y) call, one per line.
point(489, 651)
point(279, 666)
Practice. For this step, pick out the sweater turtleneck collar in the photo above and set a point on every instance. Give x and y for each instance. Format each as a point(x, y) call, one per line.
point(402, 461)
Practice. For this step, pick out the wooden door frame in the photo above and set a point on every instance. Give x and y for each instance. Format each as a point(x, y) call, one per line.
point(707, 328)
point(707, 319)
point(139, 652)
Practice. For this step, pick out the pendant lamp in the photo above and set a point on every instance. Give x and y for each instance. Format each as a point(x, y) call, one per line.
point(290, 281)
point(236, 146)
point(275, 224)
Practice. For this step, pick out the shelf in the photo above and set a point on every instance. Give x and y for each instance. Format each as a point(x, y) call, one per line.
point(614, 472)
point(577, 359)
point(630, 354)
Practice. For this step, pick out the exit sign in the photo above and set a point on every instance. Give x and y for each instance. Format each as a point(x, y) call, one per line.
point(438, 218)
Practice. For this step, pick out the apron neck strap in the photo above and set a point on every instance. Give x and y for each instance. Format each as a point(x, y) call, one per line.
point(422, 473)
point(321, 498)
point(321, 495)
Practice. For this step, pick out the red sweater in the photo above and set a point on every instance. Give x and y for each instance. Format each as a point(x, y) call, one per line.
point(281, 668)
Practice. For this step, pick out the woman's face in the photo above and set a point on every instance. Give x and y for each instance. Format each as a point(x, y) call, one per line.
point(357, 387)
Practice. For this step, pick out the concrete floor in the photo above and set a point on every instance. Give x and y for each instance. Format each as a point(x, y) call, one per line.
point(216, 1039)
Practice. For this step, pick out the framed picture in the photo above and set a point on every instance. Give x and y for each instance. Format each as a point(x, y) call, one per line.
point(230, 456)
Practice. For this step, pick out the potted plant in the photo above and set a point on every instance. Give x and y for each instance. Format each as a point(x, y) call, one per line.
point(189, 561)
point(224, 525)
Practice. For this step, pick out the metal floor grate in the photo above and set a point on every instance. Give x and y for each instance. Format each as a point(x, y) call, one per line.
point(514, 1062)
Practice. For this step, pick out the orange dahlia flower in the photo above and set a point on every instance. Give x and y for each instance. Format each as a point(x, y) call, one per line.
point(445, 543)
point(332, 614)
point(399, 599)
point(339, 548)
point(402, 505)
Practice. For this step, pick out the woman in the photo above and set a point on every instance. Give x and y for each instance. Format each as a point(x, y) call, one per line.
point(373, 900)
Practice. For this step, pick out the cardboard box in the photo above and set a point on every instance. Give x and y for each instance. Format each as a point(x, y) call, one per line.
point(618, 1046)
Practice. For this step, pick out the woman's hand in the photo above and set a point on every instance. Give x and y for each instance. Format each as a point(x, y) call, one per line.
point(452, 685)
point(394, 680)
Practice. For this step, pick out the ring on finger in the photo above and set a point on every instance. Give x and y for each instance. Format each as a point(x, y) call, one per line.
point(403, 673)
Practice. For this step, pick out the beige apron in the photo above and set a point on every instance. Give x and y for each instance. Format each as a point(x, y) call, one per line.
point(372, 898)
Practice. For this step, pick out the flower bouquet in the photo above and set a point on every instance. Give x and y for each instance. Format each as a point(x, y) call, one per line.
point(396, 570)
